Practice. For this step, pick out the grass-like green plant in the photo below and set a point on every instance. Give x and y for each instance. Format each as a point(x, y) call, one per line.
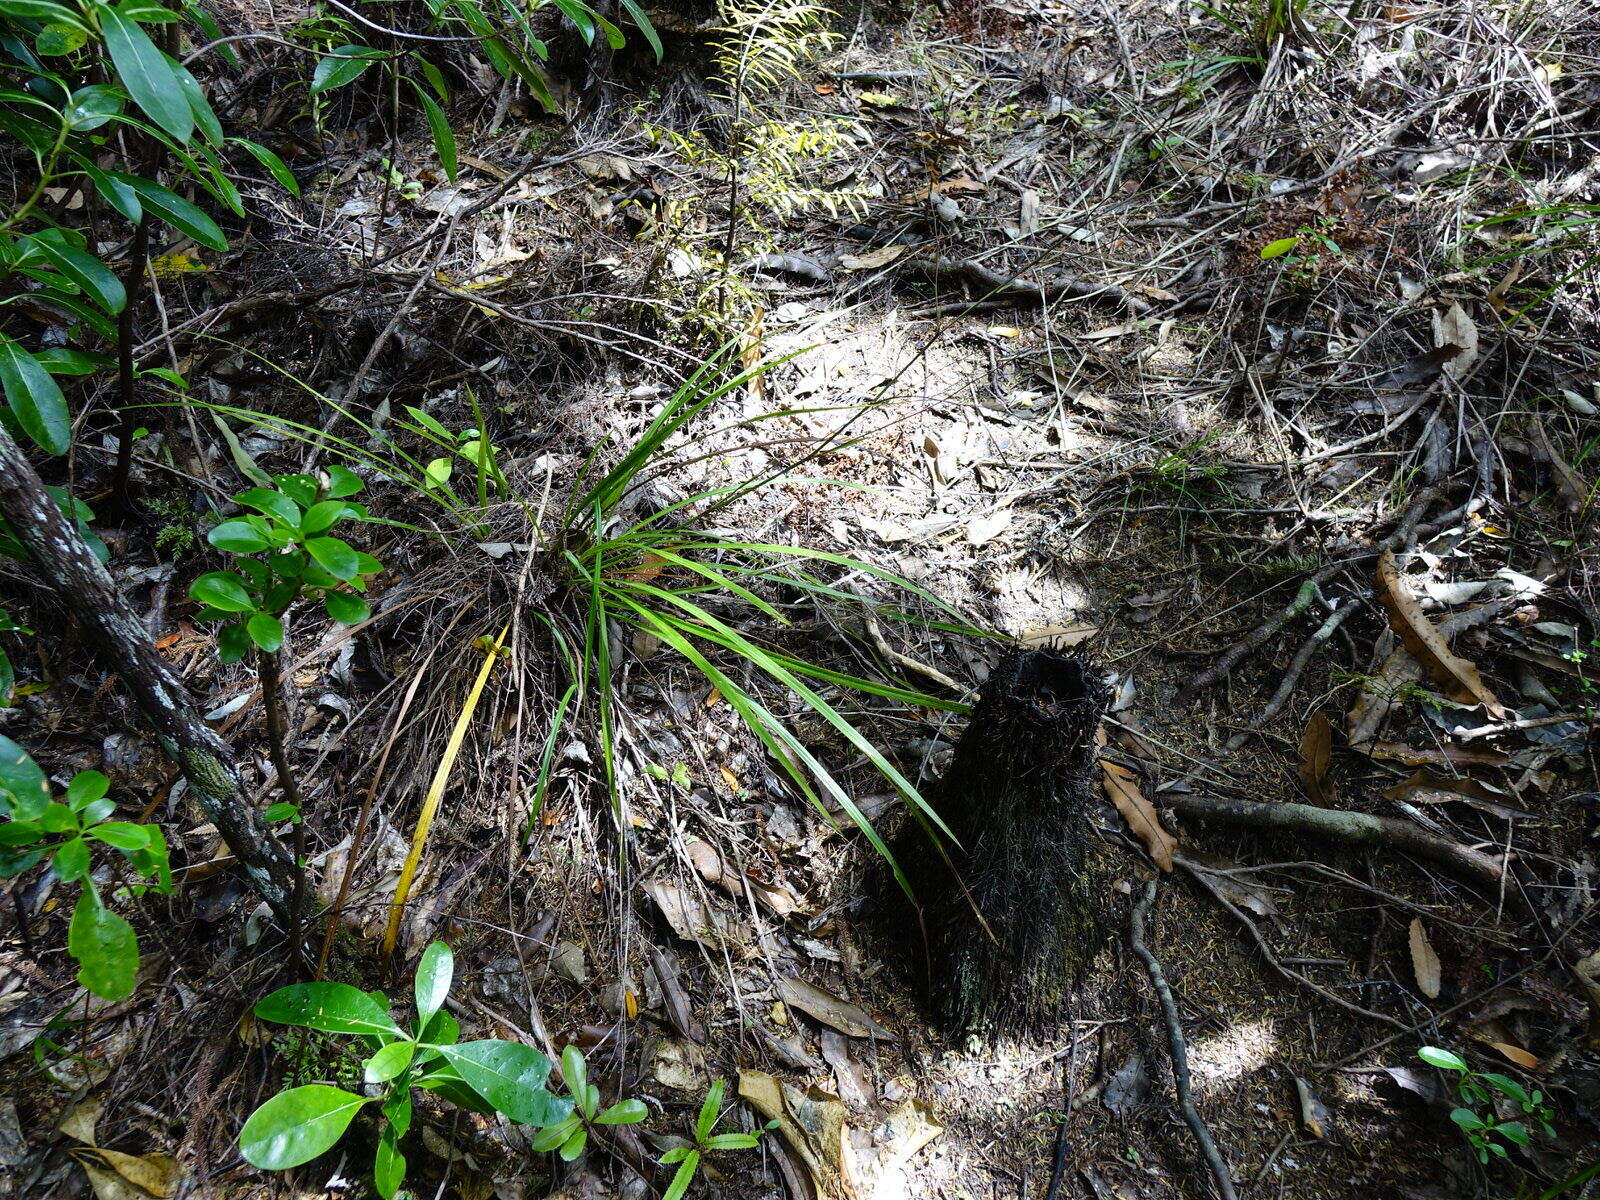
point(67, 830)
point(663, 576)
point(486, 1076)
point(706, 1141)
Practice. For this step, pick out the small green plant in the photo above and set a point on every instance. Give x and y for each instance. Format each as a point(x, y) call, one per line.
point(66, 831)
point(485, 1076)
point(570, 1137)
point(706, 1140)
point(1475, 1116)
point(667, 579)
point(470, 445)
point(291, 526)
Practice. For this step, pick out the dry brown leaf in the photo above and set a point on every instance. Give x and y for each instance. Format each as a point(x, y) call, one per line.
point(1444, 756)
point(1316, 753)
point(152, 1173)
point(1571, 486)
point(831, 1010)
point(1528, 1062)
point(1424, 962)
point(1425, 642)
point(1313, 1112)
point(1058, 637)
point(1377, 696)
point(811, 1122)
point(1454, 327)
point(1122, 787)
point(696, 922)
point(872, 259)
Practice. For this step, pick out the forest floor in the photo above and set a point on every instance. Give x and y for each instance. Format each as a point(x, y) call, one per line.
point(1344, 301)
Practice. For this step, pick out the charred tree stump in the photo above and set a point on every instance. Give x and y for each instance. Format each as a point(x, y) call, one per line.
point(1011, 914)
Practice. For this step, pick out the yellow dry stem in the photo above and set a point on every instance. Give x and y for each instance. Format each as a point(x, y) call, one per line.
point(430, 802)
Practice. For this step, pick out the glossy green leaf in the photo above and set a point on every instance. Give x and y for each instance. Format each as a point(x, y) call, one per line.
point(297, 1125)
point(624, 1112)
point(330, 1007)
point(1444, 1059)
point(266, 631)
point(92, 106)
point(575, 1074)
point(336, 557)
point(233, 643)
point(345, 608)
point(683, 1176)
point(24, 791)
point(388, 1166)
point(85, 270)
point(145, 72)
point(323, 515)
point(343, 65)
point(342, 482)
point(511, 1077)
point(36, 400)
point(275, 166)
point(172, 208)
point(238, 537)
point(104, 946)
point(123, 835)
point(435, 970)
point(223, 590)
point(390, 1061)
point(634, 10)
point(444, 138)
point(63, 360)
point(87, 786)
point(71, 859)
point(1279, 248)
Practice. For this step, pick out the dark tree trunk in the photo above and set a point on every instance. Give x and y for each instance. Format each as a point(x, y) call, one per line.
point(86, 591)
point(1011, 929)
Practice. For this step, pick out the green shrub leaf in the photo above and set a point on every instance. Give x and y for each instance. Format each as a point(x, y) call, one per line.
point(104, 946)
point(175, 210)
point(435, 970)
point(223, 590)
point(511, 1077)
point(266, 631)
point(334, 556)
point(24, 791)
point(344, 65)
point(238, 537)
point(35, 398)
point(297, 1125)
point(390, 1061)
point(144, 71)
point(330, 1007)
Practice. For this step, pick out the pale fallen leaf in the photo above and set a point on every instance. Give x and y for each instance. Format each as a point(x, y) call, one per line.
point(152, 1173)
point(1528, 1062)
point(1122, 787)
point(80, 1122)
point(812, 1123)
point(1316, 753)
point(831, 1010)
point(1453, 327)
point(988, 527)
point(680, 1066)
point(694, 921)
point(1059, 637)
point(1424, 961)
point(872, 259)
point(1426, 643)
point(1313, 1112)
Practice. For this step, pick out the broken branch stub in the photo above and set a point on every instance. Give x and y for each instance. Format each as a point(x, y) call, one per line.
point(1011, 916)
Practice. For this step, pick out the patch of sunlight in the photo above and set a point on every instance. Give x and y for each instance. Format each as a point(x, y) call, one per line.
point(1233, 1053)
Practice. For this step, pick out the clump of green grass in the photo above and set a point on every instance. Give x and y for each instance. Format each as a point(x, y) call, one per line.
point(664, 576)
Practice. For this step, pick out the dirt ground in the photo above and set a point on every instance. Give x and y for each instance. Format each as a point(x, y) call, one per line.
point(1146, 475)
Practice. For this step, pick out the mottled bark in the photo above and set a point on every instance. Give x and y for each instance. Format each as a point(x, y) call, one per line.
point(87, 592)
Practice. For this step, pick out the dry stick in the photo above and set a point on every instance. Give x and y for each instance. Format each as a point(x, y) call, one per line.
point(1180, 1054)
point(277, 748)
point(1407, 530)
point(1273, 961)
point(1354, 829)
point(133, 286)
point(997, 284)
point(68, 565)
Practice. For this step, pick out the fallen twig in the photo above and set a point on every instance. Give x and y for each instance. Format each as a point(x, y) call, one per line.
point(1180, 1053)
point(994, 284)
point(1198, 874)
point(1467, 735)
point(1355, 829)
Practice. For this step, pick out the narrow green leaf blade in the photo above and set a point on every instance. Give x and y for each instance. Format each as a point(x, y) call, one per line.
point(144, 72)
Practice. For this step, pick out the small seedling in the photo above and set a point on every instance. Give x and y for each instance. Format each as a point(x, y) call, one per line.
point(291, 526)
point(486, 1076)
point(570, 1137)
point(706, 1139)
point(65, 831)
point(1475, 1116)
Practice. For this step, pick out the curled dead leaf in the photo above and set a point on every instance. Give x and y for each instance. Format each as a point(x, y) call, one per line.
point(1458, 676)
point(1122, 788)
point(1424, 961)
point(1316, 754)
point(831, 1010)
